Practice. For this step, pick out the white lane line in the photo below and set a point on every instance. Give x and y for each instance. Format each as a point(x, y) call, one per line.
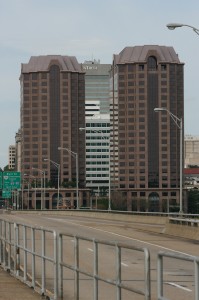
point(123, 264)
point(122, 236)
point(178, 286)
point(89, 249)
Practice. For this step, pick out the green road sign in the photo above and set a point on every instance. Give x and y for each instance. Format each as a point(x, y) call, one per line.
point(1, 180)
point(6, 194)
point(11, 180)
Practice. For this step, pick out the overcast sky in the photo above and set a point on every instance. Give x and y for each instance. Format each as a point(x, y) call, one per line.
point(91, 29)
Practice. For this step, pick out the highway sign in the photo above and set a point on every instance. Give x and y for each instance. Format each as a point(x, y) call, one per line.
point(6, 194)
point(1, 180)
point(11, 180)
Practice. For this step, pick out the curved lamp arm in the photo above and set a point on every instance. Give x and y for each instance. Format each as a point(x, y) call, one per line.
point(173, 26)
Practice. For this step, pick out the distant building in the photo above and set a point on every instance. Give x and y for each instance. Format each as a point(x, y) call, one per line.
point(191, 177)
point(52, 111)
point(97, 154)
point(12, 157)
point(97, 80)
point(92, 109)
point(191, 150)
point(97, 84)
point(145, 146)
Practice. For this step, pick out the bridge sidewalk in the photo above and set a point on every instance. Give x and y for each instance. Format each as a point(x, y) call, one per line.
point(11, 288)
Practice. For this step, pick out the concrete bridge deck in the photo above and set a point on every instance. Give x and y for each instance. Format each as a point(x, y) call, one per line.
point(12, 288)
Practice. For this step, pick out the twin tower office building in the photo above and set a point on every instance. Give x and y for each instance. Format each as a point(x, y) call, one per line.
point(104, 116)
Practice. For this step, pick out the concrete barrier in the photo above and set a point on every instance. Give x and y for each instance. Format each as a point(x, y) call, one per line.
point(185, 228)
point(179, 227)
point(121, 216)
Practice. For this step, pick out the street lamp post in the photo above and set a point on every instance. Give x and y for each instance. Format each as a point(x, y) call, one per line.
point(109, 179)
point(58, 171)
point(35, 186)
point(173, 26)
point(28, 183)
point(178, 122)
point(43, 185)
point(22, 196)
point(22, 191)
point(28, 194)
point(75, 155)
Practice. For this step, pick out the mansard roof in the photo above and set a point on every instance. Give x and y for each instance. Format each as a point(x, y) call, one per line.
point(138, 54)
point(42, 64)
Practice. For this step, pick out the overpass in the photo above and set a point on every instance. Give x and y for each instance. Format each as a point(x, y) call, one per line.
point(19, 244)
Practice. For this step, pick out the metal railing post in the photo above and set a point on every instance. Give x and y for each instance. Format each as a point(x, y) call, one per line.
point(147, 274)
point(95, 270)
point(55, 265)
point(43, 268)
point(1, 243)
point(9, 246)
point(25, 252)
point(118, 266)
point(16, 249)
point(33, 256)
point(160, 276)
point(60, 267)
point(76, 244)
point(196, 265)
point(4, 243)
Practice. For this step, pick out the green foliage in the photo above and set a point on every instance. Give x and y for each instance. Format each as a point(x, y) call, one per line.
point(193, 201)
point(193, 166)
point(102, 203)
point(68, 184)
point(49, 184)
point(118, 201)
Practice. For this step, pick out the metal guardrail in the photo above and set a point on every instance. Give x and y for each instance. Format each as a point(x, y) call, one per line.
point(25, 253)
point(184, 221)
point(95, 275)
point(160, 269)
point(29, 252)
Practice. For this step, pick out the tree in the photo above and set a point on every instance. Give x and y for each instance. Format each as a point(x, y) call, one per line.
point(193, 201)
point(118, 201)
point(193, 166)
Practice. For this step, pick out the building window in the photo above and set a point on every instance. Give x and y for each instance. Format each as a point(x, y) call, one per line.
point(141, 90)
point(130, 68)
point(34, 76)
point(130, 76)
point(152, 63)
point(44, 76)
point(173, 193)
point(163, 67)
point(26, 76)
point(141, 67)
